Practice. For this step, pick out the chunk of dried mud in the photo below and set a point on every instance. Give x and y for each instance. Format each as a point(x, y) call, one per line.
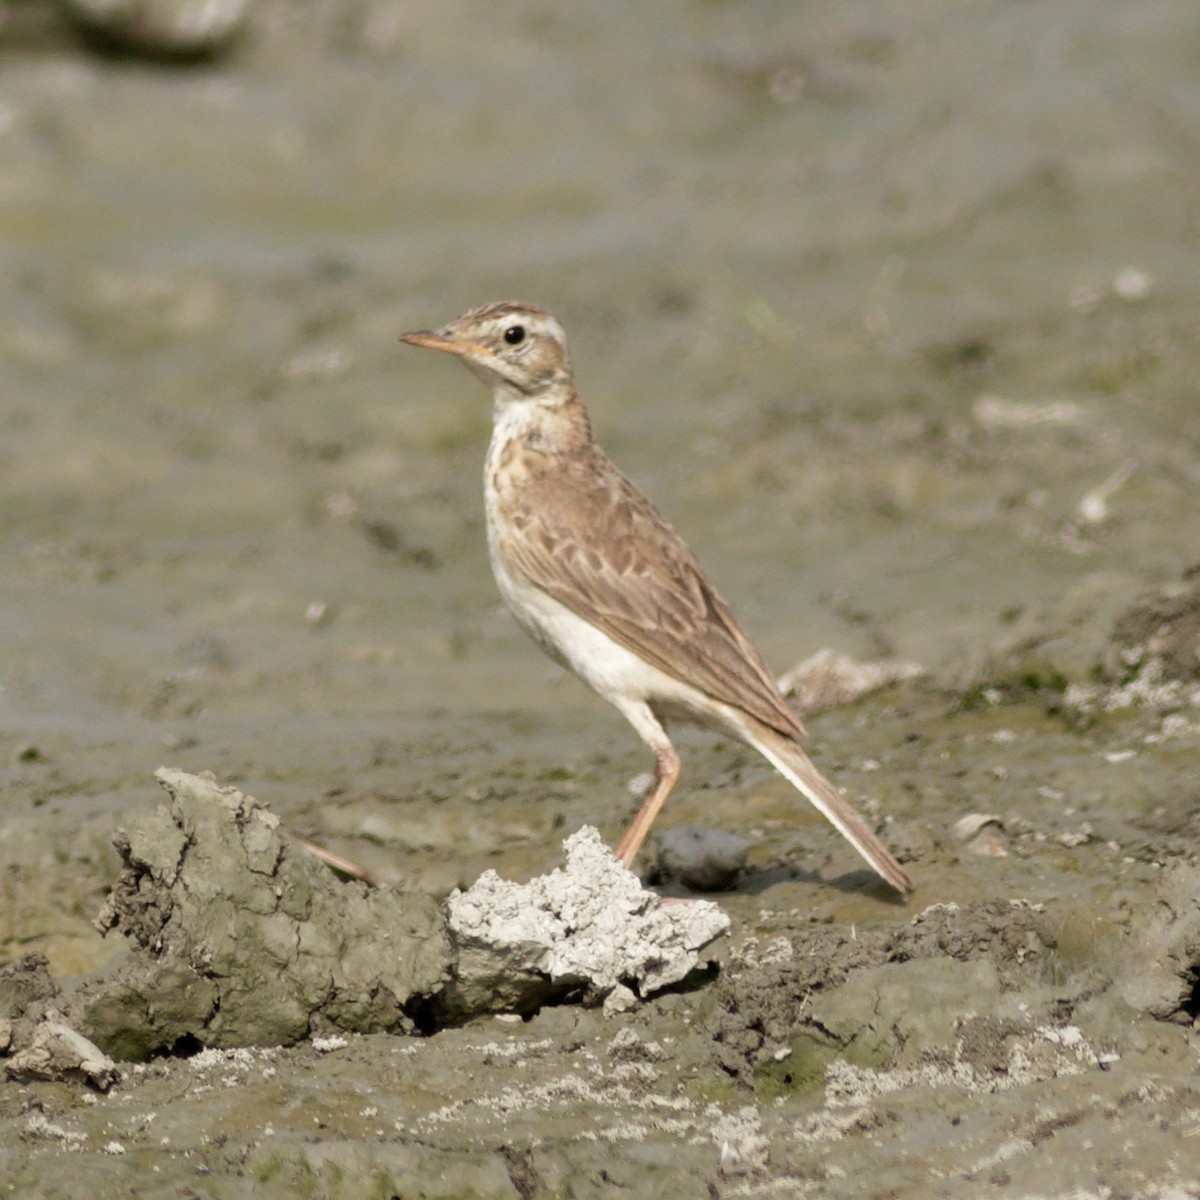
point(26, 989)
point(56, 1051)
point(579, 932)
point(35, 1040)
point(240, 938)
point(1162, 972)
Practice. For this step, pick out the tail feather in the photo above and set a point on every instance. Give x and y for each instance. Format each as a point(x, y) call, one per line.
point(791, 762)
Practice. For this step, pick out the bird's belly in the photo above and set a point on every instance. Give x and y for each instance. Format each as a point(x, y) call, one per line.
point(606, 666)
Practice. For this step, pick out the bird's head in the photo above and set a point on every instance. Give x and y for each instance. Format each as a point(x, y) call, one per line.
point(520, 350)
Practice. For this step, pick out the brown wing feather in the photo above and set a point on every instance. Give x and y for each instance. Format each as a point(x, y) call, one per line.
point(595, 543)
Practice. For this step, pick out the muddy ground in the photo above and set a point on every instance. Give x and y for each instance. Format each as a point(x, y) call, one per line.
point(892, 312)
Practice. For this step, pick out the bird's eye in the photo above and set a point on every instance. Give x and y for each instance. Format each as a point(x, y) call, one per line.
point(514, 335)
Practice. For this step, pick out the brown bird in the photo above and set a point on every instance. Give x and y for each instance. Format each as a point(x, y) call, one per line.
point(605, 586)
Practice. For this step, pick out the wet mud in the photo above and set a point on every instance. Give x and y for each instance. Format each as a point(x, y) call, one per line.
point(894, 318)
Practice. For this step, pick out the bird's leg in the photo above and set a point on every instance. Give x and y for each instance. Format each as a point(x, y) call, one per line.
point(666, 772)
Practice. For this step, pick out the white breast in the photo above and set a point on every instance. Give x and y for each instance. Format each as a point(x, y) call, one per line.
point(607, 667)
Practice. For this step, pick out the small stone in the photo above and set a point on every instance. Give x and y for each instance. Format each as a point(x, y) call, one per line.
point(707, 860)
point(1132, 284)
point(983, 834)
point(318, 614)
point(620, 1000)
point(162, 28)
point(58, 1052)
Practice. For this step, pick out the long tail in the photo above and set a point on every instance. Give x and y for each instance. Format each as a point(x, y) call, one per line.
point(791, 762)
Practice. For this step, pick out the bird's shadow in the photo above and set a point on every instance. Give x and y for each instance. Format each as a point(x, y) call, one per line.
point(754, 881)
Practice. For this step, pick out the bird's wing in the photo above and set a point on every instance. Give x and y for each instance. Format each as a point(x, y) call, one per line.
point(595, 543)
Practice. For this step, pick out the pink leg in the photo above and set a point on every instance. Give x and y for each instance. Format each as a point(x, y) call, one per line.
point(666, 772)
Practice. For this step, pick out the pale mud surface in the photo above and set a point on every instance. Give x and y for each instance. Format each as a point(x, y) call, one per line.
point(893, 312)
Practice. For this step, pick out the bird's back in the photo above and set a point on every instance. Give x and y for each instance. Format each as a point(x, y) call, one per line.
point(563, 518)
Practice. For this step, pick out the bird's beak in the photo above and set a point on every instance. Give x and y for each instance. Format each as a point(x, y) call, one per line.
point(431, 339)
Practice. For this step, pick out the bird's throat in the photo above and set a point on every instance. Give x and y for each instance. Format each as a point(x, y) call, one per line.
point(554, 421)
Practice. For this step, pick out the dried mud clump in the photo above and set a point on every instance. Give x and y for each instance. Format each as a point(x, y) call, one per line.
point(584, 932)
point(240, 938)
point(1162, 976)
point(35, 1040)
point(26, 989)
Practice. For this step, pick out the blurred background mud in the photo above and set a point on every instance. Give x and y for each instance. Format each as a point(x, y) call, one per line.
point(891, 309)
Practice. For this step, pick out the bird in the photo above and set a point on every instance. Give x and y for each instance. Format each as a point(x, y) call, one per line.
point(603, 583)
